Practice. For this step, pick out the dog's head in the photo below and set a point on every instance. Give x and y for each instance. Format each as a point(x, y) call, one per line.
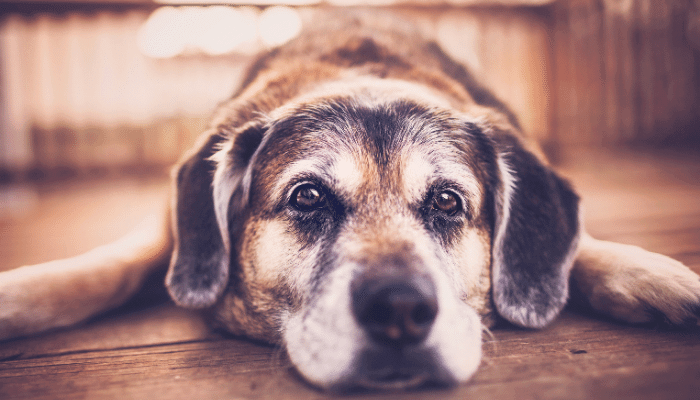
point(370, 229)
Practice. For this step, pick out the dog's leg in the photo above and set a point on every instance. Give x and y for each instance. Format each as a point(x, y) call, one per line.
point(64, 292)
point(634, 285)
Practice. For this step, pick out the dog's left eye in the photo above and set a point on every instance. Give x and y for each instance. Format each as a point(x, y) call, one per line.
point(308, 197)
point(447, 202)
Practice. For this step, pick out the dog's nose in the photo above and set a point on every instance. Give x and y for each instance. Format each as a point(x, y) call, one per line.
point(396, 311)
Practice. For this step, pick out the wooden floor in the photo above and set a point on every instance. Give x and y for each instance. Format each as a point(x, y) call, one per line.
point(161, 352)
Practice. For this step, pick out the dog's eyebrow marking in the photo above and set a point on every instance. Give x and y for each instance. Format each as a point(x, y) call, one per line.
point(341, 172)
point(347, 172)
point(419, 171)
point(304, 167)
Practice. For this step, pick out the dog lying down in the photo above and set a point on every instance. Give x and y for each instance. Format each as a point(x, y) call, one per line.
point(363, 203)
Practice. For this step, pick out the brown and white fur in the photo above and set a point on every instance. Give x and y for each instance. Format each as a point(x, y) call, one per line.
point(365, 204)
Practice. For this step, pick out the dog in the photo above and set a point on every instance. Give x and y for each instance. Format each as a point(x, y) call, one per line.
point(364, 203)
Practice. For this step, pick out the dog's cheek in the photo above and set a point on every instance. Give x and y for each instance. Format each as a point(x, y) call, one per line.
point(234, 315)
point(278, 257)
point(270, 282)
point(471, 271)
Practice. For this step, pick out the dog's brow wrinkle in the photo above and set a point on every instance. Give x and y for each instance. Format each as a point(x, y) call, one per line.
point(313, 167)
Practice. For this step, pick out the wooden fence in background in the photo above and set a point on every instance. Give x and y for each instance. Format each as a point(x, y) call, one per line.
point(626, 71)
point(76, 94)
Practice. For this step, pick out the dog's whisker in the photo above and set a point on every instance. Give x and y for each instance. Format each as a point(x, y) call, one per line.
point(485, 329)
point(489, 339)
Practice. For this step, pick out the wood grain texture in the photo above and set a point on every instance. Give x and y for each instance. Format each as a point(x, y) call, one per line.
point(160, 351)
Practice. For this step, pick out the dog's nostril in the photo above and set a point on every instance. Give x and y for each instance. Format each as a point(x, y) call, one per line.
point(423, 314)
point(396, 311)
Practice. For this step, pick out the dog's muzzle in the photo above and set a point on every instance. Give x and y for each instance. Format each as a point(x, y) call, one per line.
point(397, 312)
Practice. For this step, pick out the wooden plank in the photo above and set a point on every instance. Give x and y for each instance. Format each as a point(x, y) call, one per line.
point(582, 358)
point(162, 324)
point(575, 358)
point(62, 221)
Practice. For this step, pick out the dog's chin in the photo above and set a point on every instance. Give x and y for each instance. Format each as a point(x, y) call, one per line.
point(399, 369)
point(393, 382)
point(391, 369)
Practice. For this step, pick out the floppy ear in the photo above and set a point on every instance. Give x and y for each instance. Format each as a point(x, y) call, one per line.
point(205, 184)
point(536, 235)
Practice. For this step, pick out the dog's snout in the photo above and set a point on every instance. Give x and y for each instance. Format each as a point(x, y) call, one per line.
point(396, 311)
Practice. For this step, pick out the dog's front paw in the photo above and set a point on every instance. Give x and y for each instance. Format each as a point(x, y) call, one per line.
point(635, 285)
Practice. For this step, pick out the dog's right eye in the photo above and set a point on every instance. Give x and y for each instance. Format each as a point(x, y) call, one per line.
point(308, 197)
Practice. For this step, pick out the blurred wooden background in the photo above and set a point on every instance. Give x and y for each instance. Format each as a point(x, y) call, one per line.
point(79, 93)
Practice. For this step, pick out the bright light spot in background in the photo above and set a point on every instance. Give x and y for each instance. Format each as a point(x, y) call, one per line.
point(163, 34)
point(279, 25)
point(215, 30)
point(246, 2)
point(220, 29)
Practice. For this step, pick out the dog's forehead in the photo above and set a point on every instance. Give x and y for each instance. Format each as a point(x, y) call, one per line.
point(348, 144)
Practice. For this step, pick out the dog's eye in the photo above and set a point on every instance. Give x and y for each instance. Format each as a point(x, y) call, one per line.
point(447, 202)
point(308, 197)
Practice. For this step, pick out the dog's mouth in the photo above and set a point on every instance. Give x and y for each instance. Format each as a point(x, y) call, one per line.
point(390, 369)
point(391, 379)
